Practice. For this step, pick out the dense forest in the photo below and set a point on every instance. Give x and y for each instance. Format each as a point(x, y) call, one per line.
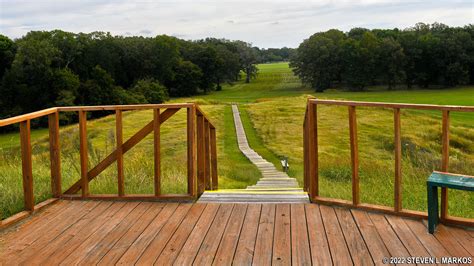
point(57, 68)
point(427, 56)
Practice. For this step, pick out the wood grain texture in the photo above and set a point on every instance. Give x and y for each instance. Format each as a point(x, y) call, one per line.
point(388, 236)
point(264, 241)
point(176, 242)
point(225, 252)
point(445, 163)
point(398, 160)
point(156, 151)
point(193, 243)
point(372, 238)
point(120, 247)
point(282, 240)
point(246, 246)
point(191, 151)
point(301, 254)
point(157, 244)
point(357, 247)
point(317, 236)
point(354, 155)
point(119, 152)
point(214, 174)
point(395, 105)
point(134, 251)
point(55, 154)
point(106, 233)
point(201, 162)
point(83, 152)
point(211, 242)
point(27, 165)
point(207, 156)
point(337, 244)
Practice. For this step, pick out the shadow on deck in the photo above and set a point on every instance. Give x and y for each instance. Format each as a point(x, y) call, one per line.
point(106, 232)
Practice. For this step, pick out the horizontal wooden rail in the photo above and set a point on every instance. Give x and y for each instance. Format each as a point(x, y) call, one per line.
point(310, 153)
point(201, 146)
point(25, 117)
point(396, 105)
point(123, 107)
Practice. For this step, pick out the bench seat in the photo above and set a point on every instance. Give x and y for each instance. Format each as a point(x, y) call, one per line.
point(446, 180)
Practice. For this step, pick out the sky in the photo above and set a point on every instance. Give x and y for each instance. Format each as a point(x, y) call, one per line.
point(263, 23)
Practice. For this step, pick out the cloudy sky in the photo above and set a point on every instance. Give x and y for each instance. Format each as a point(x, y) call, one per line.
point(264, 23)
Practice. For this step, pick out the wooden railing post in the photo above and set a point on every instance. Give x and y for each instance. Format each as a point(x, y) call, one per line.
point(215, 184)
point(191, 138)
point(55, 154)
point(305, 150)
point(354, 155)
point(207, 156)
point(200, 154)
point(313, 160)
point(119, 140)
point(398, 160)
point(156, 145)
point(27, 165)
point(445, 164)
point(83, 152)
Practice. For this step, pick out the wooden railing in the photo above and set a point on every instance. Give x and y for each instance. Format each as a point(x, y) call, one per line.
point(311, 161)
point(201, 154)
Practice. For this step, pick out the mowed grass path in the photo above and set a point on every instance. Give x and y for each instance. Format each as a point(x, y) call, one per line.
point(272, 109)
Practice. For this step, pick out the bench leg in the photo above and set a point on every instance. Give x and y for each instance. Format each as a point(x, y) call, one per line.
point(433, 218)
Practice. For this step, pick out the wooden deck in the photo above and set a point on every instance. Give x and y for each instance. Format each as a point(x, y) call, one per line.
point(106, 232)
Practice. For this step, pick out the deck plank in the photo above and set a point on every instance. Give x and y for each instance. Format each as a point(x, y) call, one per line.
point(108, 233)
point(121, 246)
point(388, 236)
point(81, 251)
point(463, 238)
point(153, 250)
point(450, 243)
point(27, 235)
point(45, 251)
point(409, 240)
point(371, 237)
point(429, 241)
point(246, 246)
point(264, 241)
point(80, 233)
point(301, 255)
point(282, 239)
point(101, 247)
point(317, 236)
point(225, 252)
point(141, 243)
point(35, 222)
point(357, 246)
point(193, 243)
point(337, 244)
point(210, 244)
point(175, 244)
point(58, 226)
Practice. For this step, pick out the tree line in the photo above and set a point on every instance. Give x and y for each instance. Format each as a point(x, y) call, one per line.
point(57, 68)
point(425, 55)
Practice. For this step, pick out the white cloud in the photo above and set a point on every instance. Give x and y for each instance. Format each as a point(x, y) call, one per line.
point(264, 23)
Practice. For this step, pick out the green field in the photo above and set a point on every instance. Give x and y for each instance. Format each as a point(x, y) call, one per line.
point(272, 108)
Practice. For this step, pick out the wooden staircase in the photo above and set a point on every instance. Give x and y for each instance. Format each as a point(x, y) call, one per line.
point(274, 186)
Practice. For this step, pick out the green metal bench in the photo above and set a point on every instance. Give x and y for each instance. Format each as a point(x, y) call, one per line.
point(447, 180)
